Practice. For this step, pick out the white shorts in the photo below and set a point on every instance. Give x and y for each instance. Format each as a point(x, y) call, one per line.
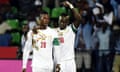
point(68, 66)
point(37, 69)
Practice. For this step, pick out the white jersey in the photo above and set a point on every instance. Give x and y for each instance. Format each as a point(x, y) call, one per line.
point(42, 46)
point(66, 38)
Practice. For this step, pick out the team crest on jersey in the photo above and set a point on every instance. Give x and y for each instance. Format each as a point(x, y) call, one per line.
point(61, 39)
point(39, 38)
point(42, 36)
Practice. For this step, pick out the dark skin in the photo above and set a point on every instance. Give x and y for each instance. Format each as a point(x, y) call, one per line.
point(65, 19)
point(64, 22)
point(44, 20)
point(24, 70)
point(42, 25)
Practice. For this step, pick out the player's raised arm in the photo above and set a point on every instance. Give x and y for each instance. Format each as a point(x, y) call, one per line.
point(27, 50)
point(76, 14)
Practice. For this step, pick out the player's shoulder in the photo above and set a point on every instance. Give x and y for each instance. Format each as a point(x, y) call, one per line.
point(30, 33)
point(52, 30)
point(72, 28)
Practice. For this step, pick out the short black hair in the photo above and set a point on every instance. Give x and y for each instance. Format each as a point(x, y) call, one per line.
point(64, 14)
point(43, 12)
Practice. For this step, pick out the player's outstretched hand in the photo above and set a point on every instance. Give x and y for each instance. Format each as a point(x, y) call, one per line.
point(57, 68)
point(24, 70)
point(67, 4)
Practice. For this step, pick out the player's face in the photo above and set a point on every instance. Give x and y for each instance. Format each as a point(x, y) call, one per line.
point(44, 19)
point(63, 22)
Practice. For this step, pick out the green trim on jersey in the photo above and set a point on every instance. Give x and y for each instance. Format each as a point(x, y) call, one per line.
point(74, 29)
point(56, 42)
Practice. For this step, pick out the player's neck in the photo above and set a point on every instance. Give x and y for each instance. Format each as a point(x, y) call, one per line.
point(62, 28)
point(43, 27)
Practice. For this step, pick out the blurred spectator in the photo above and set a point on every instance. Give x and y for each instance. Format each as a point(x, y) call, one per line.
point(83, 39)
point(83, 53)
point(116, 45)
point(25, 29)
point(3, 26)
point(98, 12)
point(92, 3)
point(115, 7)
point(103, 35)
point(116, 63)
point(25, 6)
point(108, 11)
point(9, 13)
point(118, 9)
point(5, 39)
point(118, 12)
point(108, 14)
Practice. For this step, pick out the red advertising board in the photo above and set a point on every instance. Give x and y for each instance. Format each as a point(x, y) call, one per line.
point(8, 52)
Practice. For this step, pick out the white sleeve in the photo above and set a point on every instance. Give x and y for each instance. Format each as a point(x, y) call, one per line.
point(27, 49)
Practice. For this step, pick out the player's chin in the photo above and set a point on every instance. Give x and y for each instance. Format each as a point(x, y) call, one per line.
point(45, 24)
